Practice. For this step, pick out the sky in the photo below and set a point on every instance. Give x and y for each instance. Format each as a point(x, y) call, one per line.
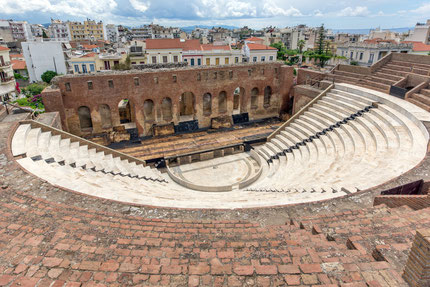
point(334, 14)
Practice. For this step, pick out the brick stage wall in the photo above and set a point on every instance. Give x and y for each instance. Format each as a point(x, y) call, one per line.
point(156, 85)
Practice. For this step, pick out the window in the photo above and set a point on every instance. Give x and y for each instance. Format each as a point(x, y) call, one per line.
point(136, 81)
point(90, 85)
point(133, 63)
point(216, 61)
point(175, 59)
point(154, 59)
point(351, 55)
point(92, 68)
point(68, 88)
point(107, 65)
point(199, 62)
point(371, 57)
point(271, 58)
point(192, 62)
point(361, 56)
point(263, 58)
point(76, 68)
point(254, 59)
point(208, 61)
point(164, 59)
point(84, 68)
point(227, 61)
point(236, 59)
point(174, 79)
point(110, 82)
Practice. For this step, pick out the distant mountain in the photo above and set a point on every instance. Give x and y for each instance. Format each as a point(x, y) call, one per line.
point(366, 31)
point(188, 29)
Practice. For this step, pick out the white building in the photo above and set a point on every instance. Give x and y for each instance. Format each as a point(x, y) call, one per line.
point(5, 32)
point(45, 56)
point(111, 33)
point(59, 31)
point(421, 33)
point(21, 31)
point(255, 51)
point(367, 53)
point(7, 80)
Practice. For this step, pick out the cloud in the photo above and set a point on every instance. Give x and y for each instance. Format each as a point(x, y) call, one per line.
point(423, 9)
point(217, 9)
point(318, 13)
point(271, 9)
point(139, 5)
point(80, 8)
point(359, 11)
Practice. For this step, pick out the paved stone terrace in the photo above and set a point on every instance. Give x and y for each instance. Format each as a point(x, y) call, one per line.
point(52, 237)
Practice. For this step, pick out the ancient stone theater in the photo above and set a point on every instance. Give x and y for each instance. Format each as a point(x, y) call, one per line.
point(240, 175)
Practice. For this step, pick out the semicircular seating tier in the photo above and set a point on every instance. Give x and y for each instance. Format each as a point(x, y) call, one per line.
point(351, 139)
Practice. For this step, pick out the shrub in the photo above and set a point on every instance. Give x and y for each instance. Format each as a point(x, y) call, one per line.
point(354, 63)
point(34, 89)
point(48, 75)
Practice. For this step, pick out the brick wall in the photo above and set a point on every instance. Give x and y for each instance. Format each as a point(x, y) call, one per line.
point(417, 269)
point(413, 201)
point(155, 85)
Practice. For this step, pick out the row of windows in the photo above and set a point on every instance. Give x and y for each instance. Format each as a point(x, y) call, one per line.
point(84, 68)
point(262, 58)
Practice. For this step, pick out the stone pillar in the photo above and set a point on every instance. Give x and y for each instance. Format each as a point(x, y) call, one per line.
point(417, 269)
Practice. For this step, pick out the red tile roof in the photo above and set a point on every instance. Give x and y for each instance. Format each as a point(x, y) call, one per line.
point(3, 48)
point(18, 64)
point(418, 46)
point(16, 56)
point(254, 39)
point(90, 47)
point(89, 55)
point(210, 47)
point(172, 44)
point(253, 46)
point(379, 40)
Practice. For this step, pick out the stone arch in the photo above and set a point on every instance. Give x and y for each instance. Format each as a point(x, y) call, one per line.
point(254, 98)
point(148, 110)
point(222, 102)
point(207, 104)
point(85, 121)
point(187, 106)
point(267, 96)
point(166, 109)
point(105, 116)
point(239, 100)
point(124, 111)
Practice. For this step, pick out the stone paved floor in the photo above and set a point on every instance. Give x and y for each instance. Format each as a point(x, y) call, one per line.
point(52, 237)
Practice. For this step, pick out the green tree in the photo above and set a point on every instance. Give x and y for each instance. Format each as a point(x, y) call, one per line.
point(44, 35)
point(301, 45)
point(281, 50)
point(48, 76)
point(34, 89)
point(322, 53)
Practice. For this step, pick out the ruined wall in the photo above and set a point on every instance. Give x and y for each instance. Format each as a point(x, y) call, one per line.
point(142, 87)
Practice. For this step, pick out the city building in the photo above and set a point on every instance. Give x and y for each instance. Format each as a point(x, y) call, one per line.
point(255, 51)
point(89, 29)
point(111, 33)
point(46, 56)
point(7, 80)
point(370, 51)
point(59, 30)
point(210, 55)
point(5, 32)
point(421, 33)
point(94, 62)
point(21, 31)
point(419, 48)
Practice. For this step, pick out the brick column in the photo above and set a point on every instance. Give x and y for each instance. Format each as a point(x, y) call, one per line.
point(417, 269)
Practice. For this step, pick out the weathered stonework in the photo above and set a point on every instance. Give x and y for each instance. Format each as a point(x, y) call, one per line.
point(146, 92)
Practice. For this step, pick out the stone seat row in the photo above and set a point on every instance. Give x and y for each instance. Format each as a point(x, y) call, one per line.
point(339, 143)
point(35, 143)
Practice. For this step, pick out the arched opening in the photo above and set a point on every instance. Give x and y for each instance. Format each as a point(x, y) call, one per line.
point(105, 116)
point(207, 104)
point(267, 96)
point(186, 106)
point(166, 109)
point(148, 110)
point(222, 102)
point(85, 121)
point(238, 100)
point(124, 111)
point(254, 98)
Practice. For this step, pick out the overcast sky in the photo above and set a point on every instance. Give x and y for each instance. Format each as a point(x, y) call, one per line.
point(336, 14)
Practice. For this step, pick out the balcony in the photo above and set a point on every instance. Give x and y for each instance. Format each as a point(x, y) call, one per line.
point(4, 64)
point(7, 80)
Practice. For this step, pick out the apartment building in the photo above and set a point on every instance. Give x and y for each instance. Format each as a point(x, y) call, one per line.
point(21, 31)
point(89, 29)
point(255, 51)
point(7, 80)
point(111, 33)
point(96, 62)
point(59, 30)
